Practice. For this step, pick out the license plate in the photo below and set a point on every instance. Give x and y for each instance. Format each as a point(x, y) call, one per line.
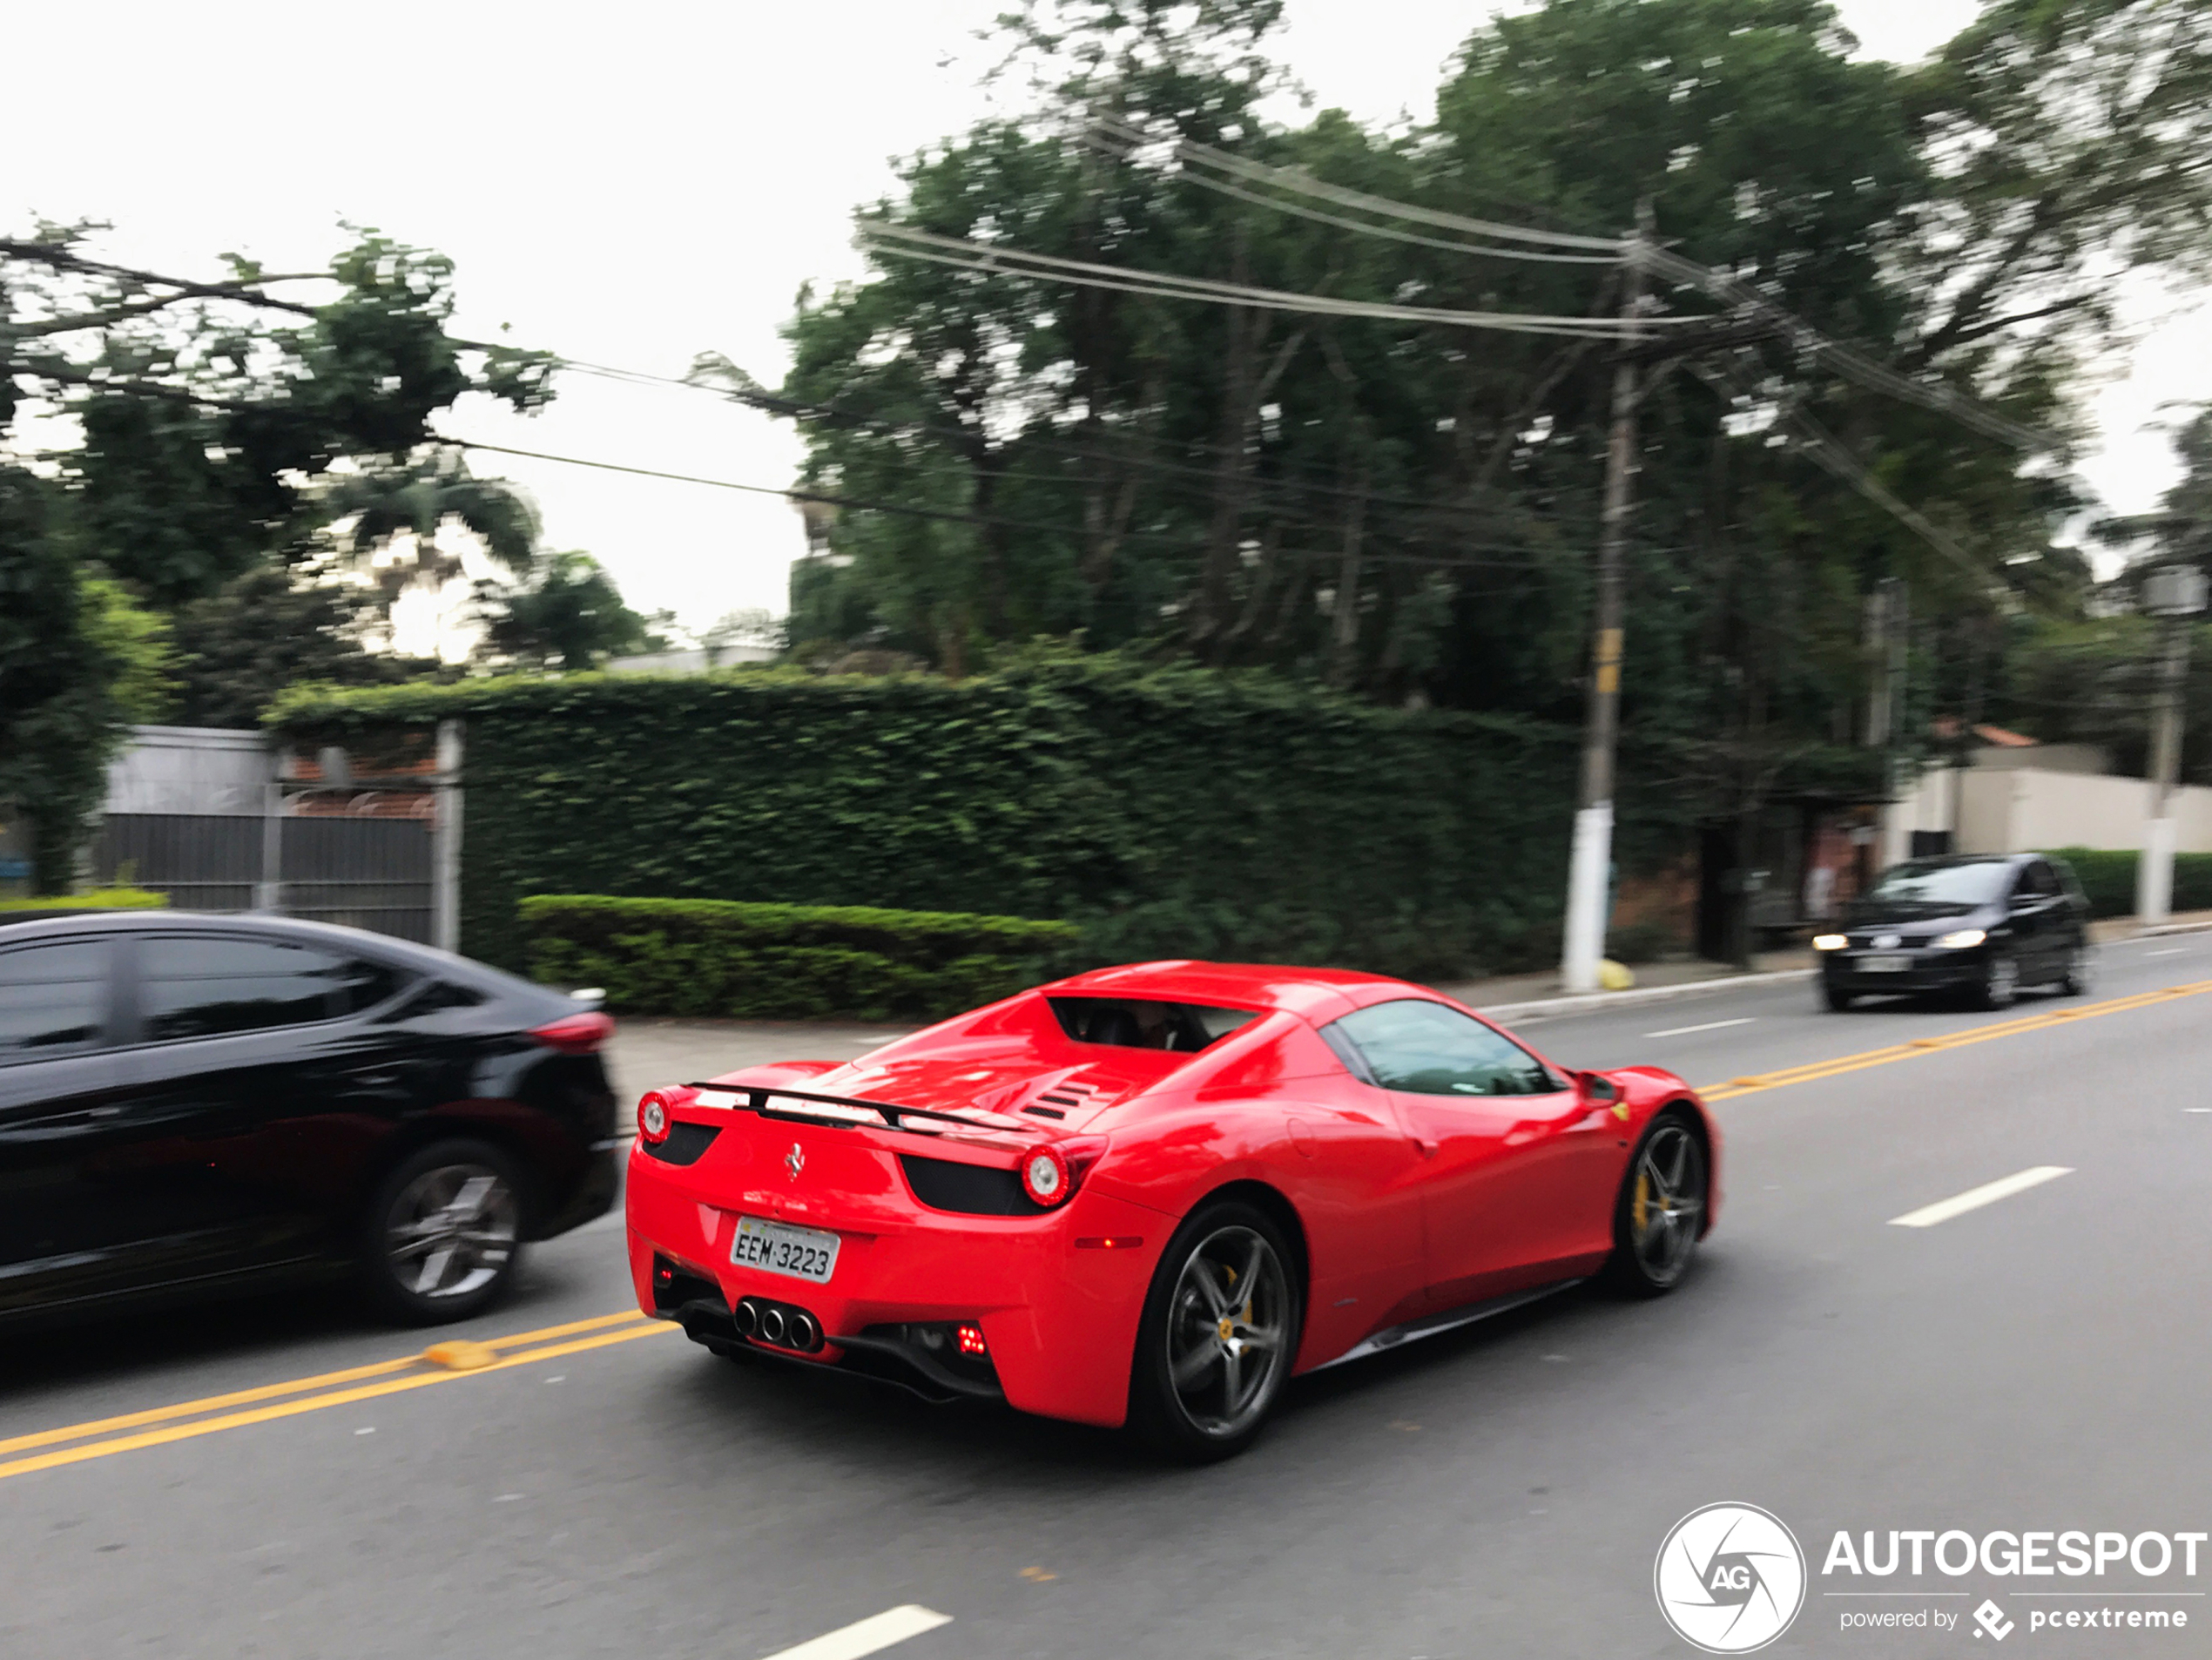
point(804, 1254)
point(1884, 965)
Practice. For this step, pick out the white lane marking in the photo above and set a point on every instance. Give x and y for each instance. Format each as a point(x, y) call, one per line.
point(2170, 951)
point(1709, 1026)
point(1974, 1197)
point(867, 1636)
point(2196, 1108)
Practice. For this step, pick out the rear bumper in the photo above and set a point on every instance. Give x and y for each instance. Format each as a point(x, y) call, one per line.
point(1059, 1317)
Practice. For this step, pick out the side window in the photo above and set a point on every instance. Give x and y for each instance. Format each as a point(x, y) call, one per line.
point(1425, 1048)
point(200, 987)
point(53, 999)
point(2037, 880)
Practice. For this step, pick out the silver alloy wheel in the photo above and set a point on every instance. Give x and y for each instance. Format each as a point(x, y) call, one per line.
point(2002, 979)
point(1227, 1330)
point(451, 1230)
point(1667, 1205)
point(2081, 971)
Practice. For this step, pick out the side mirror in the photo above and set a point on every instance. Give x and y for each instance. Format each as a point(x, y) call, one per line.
point(1596, 1086)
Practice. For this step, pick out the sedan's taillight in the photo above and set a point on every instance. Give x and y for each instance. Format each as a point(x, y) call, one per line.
point(575, 1034)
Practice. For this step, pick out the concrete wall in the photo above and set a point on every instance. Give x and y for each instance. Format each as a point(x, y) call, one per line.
point(2007, 809)
point(192, 769)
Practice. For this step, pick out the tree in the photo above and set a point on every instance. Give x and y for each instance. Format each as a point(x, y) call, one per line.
point(565, 613)
point(60, 668)
point(1409, 509)
point(224, 424)
point(236, 649)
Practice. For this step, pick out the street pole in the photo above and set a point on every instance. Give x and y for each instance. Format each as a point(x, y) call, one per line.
point(1590, 864)
point(2176, 593)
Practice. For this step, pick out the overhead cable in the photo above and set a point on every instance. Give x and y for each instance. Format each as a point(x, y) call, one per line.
point(1306, 184)
point(994, 260)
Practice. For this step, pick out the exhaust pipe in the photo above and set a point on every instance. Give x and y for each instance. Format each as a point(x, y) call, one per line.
point(746, 1316)
point(804, 1333)
point(771, 1325)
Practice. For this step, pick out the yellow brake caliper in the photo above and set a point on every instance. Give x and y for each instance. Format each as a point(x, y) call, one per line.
point(1643, 1203)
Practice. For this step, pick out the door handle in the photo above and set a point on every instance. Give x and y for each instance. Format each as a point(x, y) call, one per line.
point(1427, 1147)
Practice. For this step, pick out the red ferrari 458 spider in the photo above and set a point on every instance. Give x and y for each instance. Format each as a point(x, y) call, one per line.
point(1151, 1195)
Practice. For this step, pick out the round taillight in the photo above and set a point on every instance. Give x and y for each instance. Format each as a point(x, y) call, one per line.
point(652, 1117)
point(1044, 1175)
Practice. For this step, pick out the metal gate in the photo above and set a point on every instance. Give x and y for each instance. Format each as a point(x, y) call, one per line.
point(372, 874)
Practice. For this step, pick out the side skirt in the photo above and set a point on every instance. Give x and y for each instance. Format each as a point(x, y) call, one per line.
point(1449, 1319)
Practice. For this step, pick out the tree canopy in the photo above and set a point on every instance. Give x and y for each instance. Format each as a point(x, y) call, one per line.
point(1407, 509)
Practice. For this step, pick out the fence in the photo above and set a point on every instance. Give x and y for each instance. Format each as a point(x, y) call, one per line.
point(372, 874)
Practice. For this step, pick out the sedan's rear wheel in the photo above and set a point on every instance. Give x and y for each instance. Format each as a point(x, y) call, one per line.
point(442, 1237)
point(2081, 971)
point(1661, 1211)
point(1220, 1328)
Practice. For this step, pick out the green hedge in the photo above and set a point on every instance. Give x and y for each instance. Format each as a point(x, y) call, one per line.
point(704, 956)
point(99, 899)
point(1168, 811)
point(2108, 878)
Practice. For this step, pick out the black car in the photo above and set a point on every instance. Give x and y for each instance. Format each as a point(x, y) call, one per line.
point(191, 1102)
point(1984, 925)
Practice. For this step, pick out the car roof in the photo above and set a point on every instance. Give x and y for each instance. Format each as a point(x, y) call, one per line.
point(20, 927)
point(1314, 993)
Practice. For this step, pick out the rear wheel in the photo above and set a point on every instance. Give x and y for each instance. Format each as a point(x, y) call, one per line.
point(2081, 971)
point(1221, 1325)
point(1661, 1211)
point(442, 1237)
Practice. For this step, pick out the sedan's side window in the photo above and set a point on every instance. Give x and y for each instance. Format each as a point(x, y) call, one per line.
point(2037, 880)
point(206, 985)
point(53, 999)
point(1425, 1048)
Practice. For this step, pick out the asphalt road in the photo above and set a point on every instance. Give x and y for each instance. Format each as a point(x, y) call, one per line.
point(2042, 1361)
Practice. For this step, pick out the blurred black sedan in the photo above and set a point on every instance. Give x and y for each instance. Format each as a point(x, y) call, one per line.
point(188, 1102)
point(1980, 926)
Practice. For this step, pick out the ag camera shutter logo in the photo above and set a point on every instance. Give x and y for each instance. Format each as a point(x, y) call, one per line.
point(1730, 1578)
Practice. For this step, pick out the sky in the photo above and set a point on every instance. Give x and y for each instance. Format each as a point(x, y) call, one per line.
point(634, 194)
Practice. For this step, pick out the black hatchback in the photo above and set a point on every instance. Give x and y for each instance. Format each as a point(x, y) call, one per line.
point(1985, 925)
point(188, 1102)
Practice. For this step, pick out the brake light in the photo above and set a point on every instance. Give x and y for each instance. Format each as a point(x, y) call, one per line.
point(580, 1034)
point(657, 1111)
point(1053, 1170)
point(971, 1340)
point(1044, 1175)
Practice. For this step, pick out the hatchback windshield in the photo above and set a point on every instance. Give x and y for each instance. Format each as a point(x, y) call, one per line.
point(1975, 882)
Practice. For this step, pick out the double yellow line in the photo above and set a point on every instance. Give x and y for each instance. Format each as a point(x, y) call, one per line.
point(1922, 1046)
point(74, 1443)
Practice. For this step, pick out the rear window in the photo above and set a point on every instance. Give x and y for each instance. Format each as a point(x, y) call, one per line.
point(1132, 1022)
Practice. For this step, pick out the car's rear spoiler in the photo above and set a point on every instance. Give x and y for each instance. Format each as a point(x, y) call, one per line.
point(846, 1111)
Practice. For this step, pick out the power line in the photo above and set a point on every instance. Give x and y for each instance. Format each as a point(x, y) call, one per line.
point(991, 259)
point(1221, 186)
point(941, 515)
point(1306, 184)
point(797, 410)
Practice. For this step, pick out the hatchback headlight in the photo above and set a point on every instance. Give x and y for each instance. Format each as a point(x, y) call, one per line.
point(1829, 941)
point(1962, 939)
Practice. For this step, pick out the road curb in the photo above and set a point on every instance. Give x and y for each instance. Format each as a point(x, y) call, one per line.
point(1581, 1002)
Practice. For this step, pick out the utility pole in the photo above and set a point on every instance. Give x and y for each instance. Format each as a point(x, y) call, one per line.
point(1589, 868)
point(2176, 593)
